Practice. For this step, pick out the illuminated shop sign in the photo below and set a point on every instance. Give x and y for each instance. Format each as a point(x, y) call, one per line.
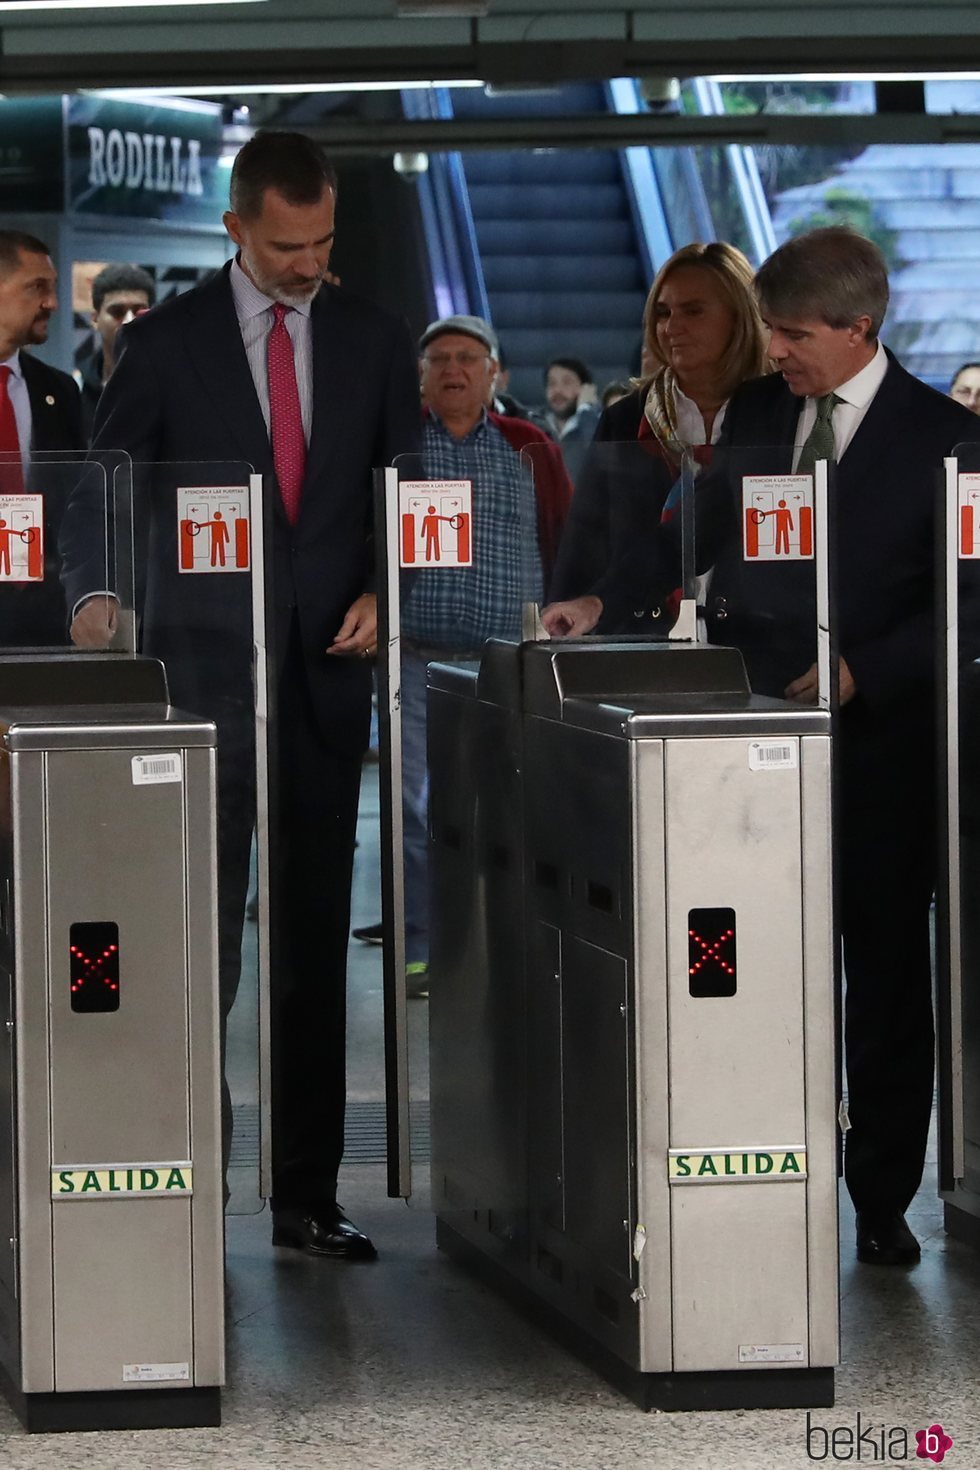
point(97, 155)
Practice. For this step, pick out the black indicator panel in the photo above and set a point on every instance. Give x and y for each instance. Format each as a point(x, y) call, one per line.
point(712, 966)
point(93, 963)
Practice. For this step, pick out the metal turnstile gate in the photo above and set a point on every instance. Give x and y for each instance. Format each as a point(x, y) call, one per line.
point(111, 1259)
point(632, 1035)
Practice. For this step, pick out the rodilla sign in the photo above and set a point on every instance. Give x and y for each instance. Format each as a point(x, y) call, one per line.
point(97, 155)
point(151, 160)
point(156, 161)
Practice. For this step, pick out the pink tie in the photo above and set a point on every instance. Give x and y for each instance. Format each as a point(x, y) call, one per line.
point(285, 415)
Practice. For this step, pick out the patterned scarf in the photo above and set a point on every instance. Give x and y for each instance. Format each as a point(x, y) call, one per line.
point(660, 412)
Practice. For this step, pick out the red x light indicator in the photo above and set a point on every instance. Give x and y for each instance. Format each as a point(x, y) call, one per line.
point(711, 953)
point(93, 966)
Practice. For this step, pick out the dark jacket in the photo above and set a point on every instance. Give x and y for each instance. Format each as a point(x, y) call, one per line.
point(182, 395)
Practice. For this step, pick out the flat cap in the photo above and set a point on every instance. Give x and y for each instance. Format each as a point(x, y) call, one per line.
point(466, 326)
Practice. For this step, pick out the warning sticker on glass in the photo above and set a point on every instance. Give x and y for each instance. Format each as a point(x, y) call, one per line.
point(772, 755)
point(156, 1372)
point(152, 770)
point(212, 529)
point(436, 523)
point(777, 517)
point(21, 538)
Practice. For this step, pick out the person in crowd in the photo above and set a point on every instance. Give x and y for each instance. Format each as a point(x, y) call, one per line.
point(119, 293)
point(703, 337)
point(614, 391)
point(504, 402)
point(572, 414)
point(254, 365)
point(40, 414)
point(838, 393)
point(450, 613)
point(965, 387)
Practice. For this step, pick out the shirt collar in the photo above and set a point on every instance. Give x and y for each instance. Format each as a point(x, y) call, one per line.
point(481, 423)
point(249, 300)
point(859, 390)
point(13, 362)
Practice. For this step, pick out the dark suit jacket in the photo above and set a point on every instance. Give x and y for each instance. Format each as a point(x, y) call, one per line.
point(35, 613)
point(182, 391)
point(885, 543)
point(616, 509)
point(56, 411)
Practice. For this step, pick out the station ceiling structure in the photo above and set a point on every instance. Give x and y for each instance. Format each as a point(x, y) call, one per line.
point(60, 45)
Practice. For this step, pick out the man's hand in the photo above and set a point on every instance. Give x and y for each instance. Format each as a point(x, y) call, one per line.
point(357, 635)
point(588, 394)
point(95, 623)
point(804, 690)
point(572, 619)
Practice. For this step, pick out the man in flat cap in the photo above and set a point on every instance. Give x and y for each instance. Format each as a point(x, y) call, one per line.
point(518, 513)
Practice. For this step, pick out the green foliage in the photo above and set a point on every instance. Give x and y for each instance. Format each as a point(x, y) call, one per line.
point(842, 206)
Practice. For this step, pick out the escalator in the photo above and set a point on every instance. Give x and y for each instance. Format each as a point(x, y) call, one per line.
point(557, 247)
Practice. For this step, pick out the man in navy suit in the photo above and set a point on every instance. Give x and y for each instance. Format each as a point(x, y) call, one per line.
point(838, 394)
point(200, 378)
point(823, 297)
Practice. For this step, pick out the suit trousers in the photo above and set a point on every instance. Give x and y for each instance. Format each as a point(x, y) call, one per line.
point(887, 878)
point(314, 818)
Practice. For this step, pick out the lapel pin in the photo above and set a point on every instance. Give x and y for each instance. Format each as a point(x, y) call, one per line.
point(50, 400)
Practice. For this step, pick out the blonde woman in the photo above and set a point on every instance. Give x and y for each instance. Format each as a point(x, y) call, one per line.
point(702, 337)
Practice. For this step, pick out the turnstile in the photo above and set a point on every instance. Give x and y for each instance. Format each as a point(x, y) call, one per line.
point(633, 1078)
point(111, 1260)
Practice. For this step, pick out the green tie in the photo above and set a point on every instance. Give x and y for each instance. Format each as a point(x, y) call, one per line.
point(820, 440)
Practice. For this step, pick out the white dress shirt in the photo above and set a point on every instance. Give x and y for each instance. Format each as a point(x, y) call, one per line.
point(856, 396)
point(254, 311)
point(689, 420)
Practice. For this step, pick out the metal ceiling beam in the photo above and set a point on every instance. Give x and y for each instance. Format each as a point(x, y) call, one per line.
point(32, 62)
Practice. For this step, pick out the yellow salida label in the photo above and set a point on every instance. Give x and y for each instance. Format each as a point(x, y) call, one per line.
point(731, 1165)
point(121, 1181)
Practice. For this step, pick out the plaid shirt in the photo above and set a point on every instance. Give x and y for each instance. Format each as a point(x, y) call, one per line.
point(461, 607)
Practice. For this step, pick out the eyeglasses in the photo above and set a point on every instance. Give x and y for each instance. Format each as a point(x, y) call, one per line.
point(463, 359)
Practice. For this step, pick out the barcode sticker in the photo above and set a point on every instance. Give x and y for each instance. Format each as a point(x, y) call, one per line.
point(151, 770)
point(772, 755)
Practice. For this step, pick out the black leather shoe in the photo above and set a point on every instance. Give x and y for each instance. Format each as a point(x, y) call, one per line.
point(885, 1239)
point(325, 1231)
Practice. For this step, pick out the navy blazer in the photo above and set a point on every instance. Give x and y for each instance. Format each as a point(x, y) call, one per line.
point(182, 391)
point(886, 485)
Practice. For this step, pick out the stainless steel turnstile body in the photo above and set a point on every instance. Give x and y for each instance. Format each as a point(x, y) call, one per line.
point(111, 1269)
point(632, 1012)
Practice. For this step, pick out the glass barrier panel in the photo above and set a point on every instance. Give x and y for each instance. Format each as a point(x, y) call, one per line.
point(463, 578)
point(192, 538)
point(614, 556)
point(957, 911)
point(759, 526)
point(50, 509)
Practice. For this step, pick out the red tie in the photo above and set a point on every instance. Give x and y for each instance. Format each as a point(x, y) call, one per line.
point(11, 470)
point(285, 415)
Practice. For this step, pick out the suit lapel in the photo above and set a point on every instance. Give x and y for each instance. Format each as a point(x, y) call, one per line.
point(787, 417)
point(48, 409)
point(876, 428)
point(215, 347)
